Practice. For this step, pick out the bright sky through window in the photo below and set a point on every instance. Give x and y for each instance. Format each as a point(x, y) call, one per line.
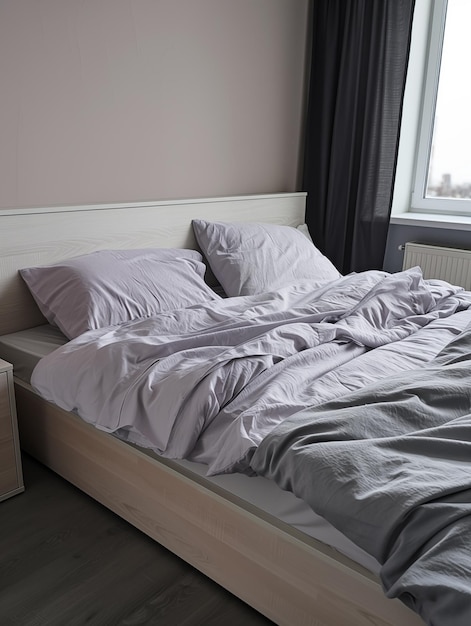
point(449, 174)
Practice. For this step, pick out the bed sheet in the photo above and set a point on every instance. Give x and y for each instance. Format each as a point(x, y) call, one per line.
point(25, 348)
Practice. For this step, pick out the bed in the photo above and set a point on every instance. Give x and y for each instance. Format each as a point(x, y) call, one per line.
point(277, 567)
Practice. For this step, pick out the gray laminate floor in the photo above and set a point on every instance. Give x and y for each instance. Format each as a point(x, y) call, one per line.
point(67, 561)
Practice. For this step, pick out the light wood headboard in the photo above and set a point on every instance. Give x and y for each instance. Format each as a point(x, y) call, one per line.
point(30, 237)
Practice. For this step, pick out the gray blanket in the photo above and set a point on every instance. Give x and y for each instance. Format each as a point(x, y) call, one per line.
point(390, 467)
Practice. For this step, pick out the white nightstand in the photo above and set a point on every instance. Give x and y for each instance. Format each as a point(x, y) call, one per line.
point(11, 474)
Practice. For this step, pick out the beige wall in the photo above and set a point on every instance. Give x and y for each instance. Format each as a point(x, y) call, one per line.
point(137, 100)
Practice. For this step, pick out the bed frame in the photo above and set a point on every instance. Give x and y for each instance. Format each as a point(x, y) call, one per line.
point(287, 576)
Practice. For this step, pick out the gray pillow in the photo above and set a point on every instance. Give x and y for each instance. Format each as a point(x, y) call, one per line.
point(110, 287)
point(249, 258)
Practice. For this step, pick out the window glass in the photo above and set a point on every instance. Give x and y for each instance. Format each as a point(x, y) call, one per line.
point(449, 172)
point(443, 163)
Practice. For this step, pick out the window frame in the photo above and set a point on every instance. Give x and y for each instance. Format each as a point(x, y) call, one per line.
point(419, 202)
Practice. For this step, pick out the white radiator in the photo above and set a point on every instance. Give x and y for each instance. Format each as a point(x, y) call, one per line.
point(450, 264)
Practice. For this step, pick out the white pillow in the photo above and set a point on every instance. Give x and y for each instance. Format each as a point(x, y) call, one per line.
point(110, 287)
point(249, 258)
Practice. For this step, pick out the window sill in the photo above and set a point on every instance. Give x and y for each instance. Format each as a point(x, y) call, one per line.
point(432, 220)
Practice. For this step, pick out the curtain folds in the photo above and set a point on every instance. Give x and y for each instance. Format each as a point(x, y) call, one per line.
point(360, 50)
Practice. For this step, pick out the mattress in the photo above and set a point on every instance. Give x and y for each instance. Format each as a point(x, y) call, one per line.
point(24, 349)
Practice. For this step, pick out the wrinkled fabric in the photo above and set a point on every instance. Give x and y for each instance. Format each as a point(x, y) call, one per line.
point(390, 467)
point(209, 382)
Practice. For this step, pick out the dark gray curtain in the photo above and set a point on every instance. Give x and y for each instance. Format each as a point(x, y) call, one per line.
point(360, 50)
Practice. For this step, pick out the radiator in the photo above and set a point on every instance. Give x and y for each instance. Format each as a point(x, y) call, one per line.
point(450, 264)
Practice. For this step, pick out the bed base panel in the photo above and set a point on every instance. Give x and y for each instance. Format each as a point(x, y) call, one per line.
point(289, 579)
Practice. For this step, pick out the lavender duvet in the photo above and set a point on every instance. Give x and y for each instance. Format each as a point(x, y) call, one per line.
point(209, 382)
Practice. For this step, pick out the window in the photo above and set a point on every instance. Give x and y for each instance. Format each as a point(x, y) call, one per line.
point(443, 169)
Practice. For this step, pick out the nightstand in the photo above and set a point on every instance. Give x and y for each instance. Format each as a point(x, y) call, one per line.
point(11, 474)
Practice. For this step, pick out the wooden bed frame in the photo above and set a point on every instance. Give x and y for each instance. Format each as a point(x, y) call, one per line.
point(289, 577)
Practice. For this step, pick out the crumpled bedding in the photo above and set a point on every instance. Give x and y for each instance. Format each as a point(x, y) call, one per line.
point(390, 467)
point(210, 382)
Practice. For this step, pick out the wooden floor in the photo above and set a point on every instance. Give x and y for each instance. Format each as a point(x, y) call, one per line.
point(65, 560)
